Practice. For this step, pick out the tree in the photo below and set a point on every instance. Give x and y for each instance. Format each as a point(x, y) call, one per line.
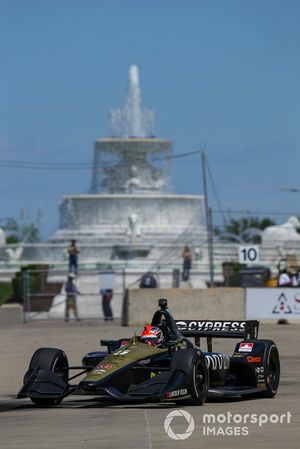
point(20, 232)
point(244, 230)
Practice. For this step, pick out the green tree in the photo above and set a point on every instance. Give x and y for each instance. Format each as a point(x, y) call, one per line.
point(20, 232)
point(245, 229)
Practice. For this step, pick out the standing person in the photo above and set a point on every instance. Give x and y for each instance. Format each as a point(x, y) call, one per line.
point(107, 295)
point(72, 292)
point(73, 257)
point(296, 278)
point(187, 263)
point(148, 281)
point(284, 279)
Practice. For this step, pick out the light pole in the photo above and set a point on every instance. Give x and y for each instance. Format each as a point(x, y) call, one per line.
point(208, 215)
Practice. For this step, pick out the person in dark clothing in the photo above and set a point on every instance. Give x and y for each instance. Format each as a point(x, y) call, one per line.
point(73, 257)
point(148, 281)
point(107, 295)
point(187, 263)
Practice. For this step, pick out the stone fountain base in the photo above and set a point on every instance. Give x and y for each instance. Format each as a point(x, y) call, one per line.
point(129, 223)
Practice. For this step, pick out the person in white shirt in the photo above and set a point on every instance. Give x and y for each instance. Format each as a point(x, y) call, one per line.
point(284, 279)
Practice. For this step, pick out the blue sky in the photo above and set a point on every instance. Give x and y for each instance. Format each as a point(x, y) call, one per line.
point(222, 72)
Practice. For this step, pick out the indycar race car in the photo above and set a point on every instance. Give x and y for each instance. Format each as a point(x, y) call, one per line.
point(175, 369)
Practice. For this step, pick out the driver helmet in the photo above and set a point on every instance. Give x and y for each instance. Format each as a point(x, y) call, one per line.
point(153, 336)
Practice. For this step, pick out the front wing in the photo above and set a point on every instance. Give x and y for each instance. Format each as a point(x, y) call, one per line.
point(167, 385)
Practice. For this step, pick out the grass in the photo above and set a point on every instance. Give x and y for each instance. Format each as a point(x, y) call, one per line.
point(5, 291)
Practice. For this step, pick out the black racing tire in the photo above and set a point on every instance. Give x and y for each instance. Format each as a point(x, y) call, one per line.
point(45, 402)
point(192, 363)
point(271, 365)
point(51, 359)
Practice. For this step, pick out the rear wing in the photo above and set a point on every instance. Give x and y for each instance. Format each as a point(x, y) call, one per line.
point(246, 330)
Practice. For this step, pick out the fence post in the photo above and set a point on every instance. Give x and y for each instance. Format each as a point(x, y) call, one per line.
point(26, 295)
point(125, 311)
point(123, 280)
point(175, 278)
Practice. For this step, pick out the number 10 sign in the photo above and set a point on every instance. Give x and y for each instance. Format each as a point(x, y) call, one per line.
point(248, 254)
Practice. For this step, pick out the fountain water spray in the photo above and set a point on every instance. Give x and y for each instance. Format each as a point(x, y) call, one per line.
point(132, 120)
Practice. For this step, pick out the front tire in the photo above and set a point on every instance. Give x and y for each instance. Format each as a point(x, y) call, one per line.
point(51, 359)
point(46, 402)
point(199, 384)
point(193, 364)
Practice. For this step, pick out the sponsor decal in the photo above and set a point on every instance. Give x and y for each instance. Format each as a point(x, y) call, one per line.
point(124, 343)
point(235, 355)
point(251, 359)
point(259, 369)
point(217, 361)
point(154, 331)
point(144, 362)
point(105, 366)
point(176, 393)
point(99, 371)
point(260, 379)
point(121, 352)
point(246, 347)
point(282, 305)
point(211, 326)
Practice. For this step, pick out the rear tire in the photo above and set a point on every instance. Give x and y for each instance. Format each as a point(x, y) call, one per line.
point(51, 359)
point(272, 369)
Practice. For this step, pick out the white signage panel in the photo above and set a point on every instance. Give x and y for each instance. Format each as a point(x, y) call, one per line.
point(107, 280)
point(273, 303)
point(248, 254)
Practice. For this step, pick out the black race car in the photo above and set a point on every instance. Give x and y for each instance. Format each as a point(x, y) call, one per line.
point(179, 371)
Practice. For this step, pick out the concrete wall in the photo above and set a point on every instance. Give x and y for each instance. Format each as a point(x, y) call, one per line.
point(190, 304)
point(11, 314)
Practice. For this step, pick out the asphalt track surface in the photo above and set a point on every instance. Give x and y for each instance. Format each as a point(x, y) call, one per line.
point(84, 422)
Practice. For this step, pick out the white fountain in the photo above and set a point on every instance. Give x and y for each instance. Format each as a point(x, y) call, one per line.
point(130, 212)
